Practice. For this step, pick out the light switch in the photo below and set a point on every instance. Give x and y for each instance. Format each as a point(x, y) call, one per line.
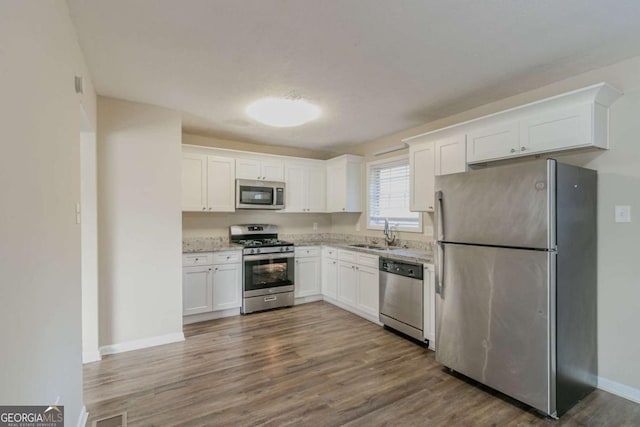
point(315, 226)
point(623, 213)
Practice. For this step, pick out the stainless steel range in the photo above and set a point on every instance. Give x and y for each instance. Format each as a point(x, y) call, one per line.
point(268, 267)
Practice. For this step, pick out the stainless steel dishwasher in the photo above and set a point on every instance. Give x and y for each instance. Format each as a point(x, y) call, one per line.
point(401, 297)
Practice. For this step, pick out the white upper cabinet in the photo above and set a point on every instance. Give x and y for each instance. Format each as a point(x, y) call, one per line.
point(208, 183)
point(194, 182)
point(451, 155)
point(493, 142)
point(576, 119)
point(305, 186)
point(260, 169)
point(429, 157)
point(421, 177)
point(221, 187)
point(344, 184)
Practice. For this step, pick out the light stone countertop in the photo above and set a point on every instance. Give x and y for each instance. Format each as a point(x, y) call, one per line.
point(219, 244)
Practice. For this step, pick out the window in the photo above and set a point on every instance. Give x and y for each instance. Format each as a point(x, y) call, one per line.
point(388, 195)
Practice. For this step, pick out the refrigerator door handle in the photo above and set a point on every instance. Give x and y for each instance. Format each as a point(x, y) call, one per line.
point(440, 216)
point(439, 288)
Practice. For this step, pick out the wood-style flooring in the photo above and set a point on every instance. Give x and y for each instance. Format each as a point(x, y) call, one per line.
point(310, 365)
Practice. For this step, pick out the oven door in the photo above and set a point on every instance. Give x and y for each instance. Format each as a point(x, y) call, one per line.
point(267, 274)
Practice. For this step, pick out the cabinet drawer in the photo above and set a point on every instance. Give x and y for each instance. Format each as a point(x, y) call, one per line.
point(202, 258)
point(307, 251)
point(330, 253)
point(347, 256)
point(368, 260)
point(232, 257)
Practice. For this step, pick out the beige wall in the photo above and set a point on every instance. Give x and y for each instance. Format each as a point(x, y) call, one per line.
point(619, 183)
point(40, 175)
point(139, 175)
point(208, 141)
point(196, 224)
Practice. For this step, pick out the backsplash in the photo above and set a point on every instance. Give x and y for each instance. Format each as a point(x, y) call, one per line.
point(209, 243)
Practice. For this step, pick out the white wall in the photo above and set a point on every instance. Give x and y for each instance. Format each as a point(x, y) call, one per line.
point(89, 245)
point(40, 290)
point(139, 223)
point(619, 183)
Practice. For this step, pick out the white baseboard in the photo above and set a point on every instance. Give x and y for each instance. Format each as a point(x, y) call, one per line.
point(619, 389)
point(311, 298)
point(141, 343)
point(91, 356)
point(367, 316)
point(82, 418)
point(203, 317)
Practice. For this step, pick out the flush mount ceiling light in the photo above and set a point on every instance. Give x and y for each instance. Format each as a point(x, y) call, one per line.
point(283, 112)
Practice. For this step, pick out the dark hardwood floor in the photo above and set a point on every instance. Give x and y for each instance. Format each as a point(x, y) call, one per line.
point(310, 365)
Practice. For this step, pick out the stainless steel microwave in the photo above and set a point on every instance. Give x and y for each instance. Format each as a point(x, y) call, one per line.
point(259, 194)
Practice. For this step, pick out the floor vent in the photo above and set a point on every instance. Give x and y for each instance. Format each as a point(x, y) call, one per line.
point(119, 420)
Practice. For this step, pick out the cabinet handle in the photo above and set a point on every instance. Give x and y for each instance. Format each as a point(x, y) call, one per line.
point(357, 268)
point(430, 207)
point(210, 208)
point(513, 150)
point(216, 269)
point(209, 268)
point(334, 262)
point(344, 209)
point(523, 148)
point(204, 208)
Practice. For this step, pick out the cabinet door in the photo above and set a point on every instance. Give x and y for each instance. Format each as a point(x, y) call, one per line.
point(347, 283)
point(296, 191)
point(221, 184)
point(368, 293)
point(248, 169)
point(330, 278)
point(194, 182)
point(336, 188)
point(451, 155)
point(197, 288)
point(272, 170)
point(315, 185)
point(495, 142)
point(429, 305)
point(556, 130)
point(227, 284)
point(307, 276)
point(422, 177)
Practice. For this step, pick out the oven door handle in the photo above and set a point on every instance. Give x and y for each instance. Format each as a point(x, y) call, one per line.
point(278, 255)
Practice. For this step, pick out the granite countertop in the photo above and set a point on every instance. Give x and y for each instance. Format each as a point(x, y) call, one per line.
point(405, 254)
point(219, 244)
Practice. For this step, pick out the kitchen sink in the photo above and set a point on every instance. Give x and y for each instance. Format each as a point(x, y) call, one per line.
point(367, 246)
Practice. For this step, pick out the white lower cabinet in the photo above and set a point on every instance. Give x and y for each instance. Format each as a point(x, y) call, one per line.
point(227, 283)
point(307, 276)
point(330, 277)
point(212, 287)
point(429, 304)
point(197, 288)
point(368, 293)
point(347, 283)
point(354, 276)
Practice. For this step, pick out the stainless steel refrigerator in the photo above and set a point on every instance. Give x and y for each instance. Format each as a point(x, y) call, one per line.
point(516, 280)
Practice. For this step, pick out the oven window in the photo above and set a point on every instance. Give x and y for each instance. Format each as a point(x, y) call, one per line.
point(256, 195)
point(268, 273)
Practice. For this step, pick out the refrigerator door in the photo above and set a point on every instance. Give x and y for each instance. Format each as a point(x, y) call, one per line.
point(502, 206)
point(495, 313)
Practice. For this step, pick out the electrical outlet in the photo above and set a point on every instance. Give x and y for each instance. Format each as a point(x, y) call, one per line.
point(315, 226)
point(623, 213)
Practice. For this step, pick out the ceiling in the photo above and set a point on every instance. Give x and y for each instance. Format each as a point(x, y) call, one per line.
point(374, 66)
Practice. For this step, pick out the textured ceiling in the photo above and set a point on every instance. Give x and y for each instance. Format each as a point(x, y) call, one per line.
point(374, 66)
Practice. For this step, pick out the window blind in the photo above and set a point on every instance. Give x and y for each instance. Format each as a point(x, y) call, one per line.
point(389, 195)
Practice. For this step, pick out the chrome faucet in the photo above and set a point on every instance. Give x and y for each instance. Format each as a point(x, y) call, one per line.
point(389, 238)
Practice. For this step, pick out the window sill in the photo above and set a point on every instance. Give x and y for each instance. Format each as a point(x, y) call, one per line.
point(400, 229)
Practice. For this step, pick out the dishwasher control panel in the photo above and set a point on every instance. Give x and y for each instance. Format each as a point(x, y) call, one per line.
point(402, 268)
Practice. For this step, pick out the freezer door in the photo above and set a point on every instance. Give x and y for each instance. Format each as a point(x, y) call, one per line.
point(493, 320)
point(503, 206)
